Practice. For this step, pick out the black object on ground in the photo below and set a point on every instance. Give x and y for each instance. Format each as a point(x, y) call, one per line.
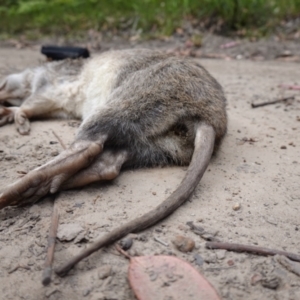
point(59, 53)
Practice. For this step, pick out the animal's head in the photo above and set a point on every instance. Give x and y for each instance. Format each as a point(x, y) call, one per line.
point(15, 88)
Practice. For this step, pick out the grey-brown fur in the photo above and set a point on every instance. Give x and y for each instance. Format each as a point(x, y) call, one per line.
point(157, 99)
point(138, 107)
point(154, 98)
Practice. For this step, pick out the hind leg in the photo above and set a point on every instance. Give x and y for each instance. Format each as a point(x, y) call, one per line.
point(106, 167)
point(49, 177)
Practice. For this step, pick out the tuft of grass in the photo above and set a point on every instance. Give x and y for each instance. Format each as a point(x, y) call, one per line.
point(146, 16)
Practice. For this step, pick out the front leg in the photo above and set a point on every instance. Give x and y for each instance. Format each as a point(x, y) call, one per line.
point(7, 114)
point(34, 106)
point(17, 114)
point(49, 177)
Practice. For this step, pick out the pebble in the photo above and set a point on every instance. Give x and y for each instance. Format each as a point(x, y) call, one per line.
point(142, 237)
point(81, 237)
point(68, 232)
point(183, 244)
point(230, 262)
point(198, 260)
point(221, 254)
point(86, 292)
point(236, 206)
point(271, 282)
point(210, 258)
point(50, 292)
point(97, 296)
point(54, 153)
point(126, 243)
point(104, 272)
point(256, 278)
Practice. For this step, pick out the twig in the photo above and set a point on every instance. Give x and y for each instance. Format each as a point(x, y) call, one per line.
point(160, 241)
point(290, 86)
point(122, 251)
point(46, 279)
point(230, 45)
point(253, 105)
point(59, 139)
point(251, 249)
point(21, 228)
point(289, 265)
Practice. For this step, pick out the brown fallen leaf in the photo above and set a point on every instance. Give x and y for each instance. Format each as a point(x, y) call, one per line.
point(168, 277)
point(290, 86)
point(230, 45)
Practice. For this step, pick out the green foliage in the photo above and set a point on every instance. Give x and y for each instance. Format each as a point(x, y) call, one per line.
point(67, 16)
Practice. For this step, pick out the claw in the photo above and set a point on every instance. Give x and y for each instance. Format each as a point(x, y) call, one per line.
point(22, 122)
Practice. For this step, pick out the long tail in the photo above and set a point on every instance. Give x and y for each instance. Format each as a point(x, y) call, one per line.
point(204, 145)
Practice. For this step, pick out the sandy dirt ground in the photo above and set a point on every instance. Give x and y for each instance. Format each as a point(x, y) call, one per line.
point(257, 172)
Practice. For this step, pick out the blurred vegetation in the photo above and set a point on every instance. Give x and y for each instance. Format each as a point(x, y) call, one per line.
point(147, 16)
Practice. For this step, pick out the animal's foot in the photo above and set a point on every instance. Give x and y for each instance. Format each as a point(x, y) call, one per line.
point(49, 177)
point(107, 166)
point(22, 122)
point(6, 115)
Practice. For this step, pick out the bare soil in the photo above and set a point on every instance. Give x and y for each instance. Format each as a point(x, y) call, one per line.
point(250, 194)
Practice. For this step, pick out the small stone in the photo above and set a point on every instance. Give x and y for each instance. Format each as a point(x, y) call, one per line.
point(271, 282)
point(220, 254)
point(81, 237)
point(230, 262)
point(183, 244)
point(51, 292)
point(104, 272)
point(236, 206)
point(154, 193)
point(98, 296)
point(142, 237)
point(54, 153)
point(126, 243)
point(68, 232)
point(86, 292)
point(198, 260)
point(283, 147)
point(56, 280)
point(255, 279)
point(210, 258)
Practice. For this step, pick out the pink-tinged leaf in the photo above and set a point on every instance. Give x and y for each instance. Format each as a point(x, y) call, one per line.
point(168, 277)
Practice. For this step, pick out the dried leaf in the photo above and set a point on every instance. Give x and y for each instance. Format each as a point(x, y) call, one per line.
point(168, 277)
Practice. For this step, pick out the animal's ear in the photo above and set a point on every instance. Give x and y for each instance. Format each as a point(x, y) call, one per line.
point(3, 84)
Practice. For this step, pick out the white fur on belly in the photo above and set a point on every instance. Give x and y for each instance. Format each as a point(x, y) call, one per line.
point(97, 80)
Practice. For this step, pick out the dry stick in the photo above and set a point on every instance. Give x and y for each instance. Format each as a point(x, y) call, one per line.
point(204, 143)
point(253, 105)
point(288, 264)
point(59, 139)
point(119, 249)
point(46, 279)
point(251, 249)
